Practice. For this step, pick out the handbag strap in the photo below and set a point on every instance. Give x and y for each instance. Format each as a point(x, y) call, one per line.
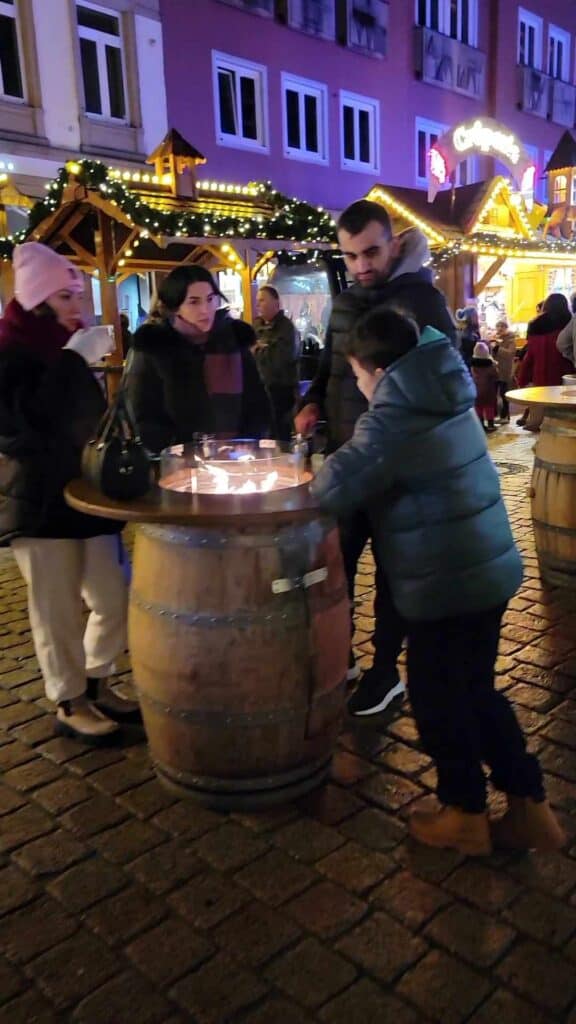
point(120, 413)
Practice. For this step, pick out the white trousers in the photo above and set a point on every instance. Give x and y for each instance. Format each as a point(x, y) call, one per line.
point(60, 574)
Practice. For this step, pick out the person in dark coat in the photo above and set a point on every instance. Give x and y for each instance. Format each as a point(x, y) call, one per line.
point(543, 365)
point(192, 372)
point(417, 463)
point(467, 318)
point(276, 354)
point(485, 376)
point(391, 271)
point(50, 406)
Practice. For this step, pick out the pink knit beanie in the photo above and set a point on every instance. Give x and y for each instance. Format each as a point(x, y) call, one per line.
point(39, 272)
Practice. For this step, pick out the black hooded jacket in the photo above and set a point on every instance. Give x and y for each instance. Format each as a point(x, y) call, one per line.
point(408, 289)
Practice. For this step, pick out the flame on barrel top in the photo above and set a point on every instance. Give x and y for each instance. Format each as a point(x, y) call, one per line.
point(222, 483)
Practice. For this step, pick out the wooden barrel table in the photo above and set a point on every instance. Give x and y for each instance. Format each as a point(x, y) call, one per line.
point(239, 637)
point(553, 490)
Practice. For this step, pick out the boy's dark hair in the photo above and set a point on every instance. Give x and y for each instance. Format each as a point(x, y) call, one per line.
point(271, 291)
point(381, 337)
point(361, 213)
point(172, 291)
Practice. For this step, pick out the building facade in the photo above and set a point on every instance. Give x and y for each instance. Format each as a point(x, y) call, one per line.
point(326, 97)
point(78, 78)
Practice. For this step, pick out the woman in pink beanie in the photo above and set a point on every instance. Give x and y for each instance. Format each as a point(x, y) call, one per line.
point(50, 405)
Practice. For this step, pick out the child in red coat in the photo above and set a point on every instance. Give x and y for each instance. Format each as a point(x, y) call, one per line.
point(485, 375)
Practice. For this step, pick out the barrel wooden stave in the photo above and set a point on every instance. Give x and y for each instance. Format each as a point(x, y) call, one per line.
point(242, 689)
point(554, 498)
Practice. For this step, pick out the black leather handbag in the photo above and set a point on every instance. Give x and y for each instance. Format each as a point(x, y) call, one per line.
point(116, 461)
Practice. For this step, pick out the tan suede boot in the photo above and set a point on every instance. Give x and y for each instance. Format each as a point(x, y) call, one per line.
point(452, 829)
point(80, 720)
point(528, 825)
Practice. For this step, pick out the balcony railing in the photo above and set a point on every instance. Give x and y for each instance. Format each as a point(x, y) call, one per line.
point(265, 7)
point(547, 97)
point(450, 64)
point(316, 17)
point(366, 25)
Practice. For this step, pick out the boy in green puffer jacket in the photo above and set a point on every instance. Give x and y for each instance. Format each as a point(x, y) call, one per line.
point(418, 464)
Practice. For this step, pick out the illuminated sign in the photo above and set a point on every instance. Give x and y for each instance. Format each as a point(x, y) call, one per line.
point(483, 136)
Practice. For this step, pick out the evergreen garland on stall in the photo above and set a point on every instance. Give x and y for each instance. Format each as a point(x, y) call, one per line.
point(292, 219)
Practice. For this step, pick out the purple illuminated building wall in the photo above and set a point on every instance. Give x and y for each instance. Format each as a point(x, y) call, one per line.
point(327, 97)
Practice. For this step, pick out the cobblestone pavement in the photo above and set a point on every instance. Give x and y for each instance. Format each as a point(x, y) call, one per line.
point(119, 903)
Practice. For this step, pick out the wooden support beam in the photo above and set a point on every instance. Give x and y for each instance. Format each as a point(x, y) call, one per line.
point(487, 277)
point(104, 239)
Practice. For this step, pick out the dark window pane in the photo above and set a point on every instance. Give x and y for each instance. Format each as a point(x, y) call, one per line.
point(522, 47)
point(349, 148)
point(454, 19)
point(531, 46)
point(248, 103)
point(90, 78)
point(465, 21)
point(422, 155)
point(422, 12)
point(226, 103)
point(463, 173)
point(311, 121)
point(9, 59)
point(435, 15)
point(364, 136)
point(100, 22)
point(115, 81)
point(293, 119)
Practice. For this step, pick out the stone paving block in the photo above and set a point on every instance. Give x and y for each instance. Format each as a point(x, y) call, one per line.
point(123, 1000)
point(277, 1011)
point(326, 910)
point(488, 889)
point(533, 697)
point(562, 794)
point(218, 991)
point(330, 804)
point(559, 761)
point(11, 680)
point(33, 929)
point(16, 714)
point(391, 792)
point(311, 974)
point(87, 883)
point(22, 826)
point(63, 794)
point(230, 847)
point(308, 840)
point(50, 854)
point(30, 1008)
point(11, 981)
point(28, 776)
point(16, 888)
point(275, 878)
point(543, 918)
point(424, 862)
point(9, 800)
point(409, 899)
point(60, 749)
point(36, 732)
point(347, 769)
point(404, 759)
point(382, 947)
point(167, 952)
point(94, 760)
point(146, 800)
point(444, 989)
point(93, 816)
point(188, 820)
point(374, 829)
point(562, 732)
point(15, 753)
point(541, 975)
point(127, 841)
point(255, 934)
point(207, 899)
point(74, 968)
point(356, 868)
point(120, 777)
point(124, 915)
point(366, 1003)
point(168, 866)
point(505, 1008)
point(475, 937)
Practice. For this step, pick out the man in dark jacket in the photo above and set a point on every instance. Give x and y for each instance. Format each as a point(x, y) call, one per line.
point(387, 271)
point(276, 353)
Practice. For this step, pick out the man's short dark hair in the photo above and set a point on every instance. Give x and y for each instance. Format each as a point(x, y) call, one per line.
point(271, 291)
point(358, 215)
point(381, 337)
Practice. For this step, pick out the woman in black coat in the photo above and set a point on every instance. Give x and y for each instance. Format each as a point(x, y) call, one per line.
point(193, 371)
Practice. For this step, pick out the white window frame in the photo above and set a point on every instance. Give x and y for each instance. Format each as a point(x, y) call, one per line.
point(444, 19)
point(372, 106)
point(11, 11)
point(259, 74)
point(423, 124)
point(558, 35)
point(535, 22)
point(102, 40)
point(306, 87)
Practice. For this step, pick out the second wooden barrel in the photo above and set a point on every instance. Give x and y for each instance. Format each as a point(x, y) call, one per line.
point(554, 497)
point(240, 641)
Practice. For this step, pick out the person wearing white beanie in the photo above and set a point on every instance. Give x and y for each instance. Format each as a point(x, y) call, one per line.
point(50, 405)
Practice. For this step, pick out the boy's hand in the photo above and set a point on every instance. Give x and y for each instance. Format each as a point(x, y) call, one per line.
point(306, 419)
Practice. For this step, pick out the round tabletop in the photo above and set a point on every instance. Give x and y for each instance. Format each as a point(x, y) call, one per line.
point(557, 397)
point(159, 505)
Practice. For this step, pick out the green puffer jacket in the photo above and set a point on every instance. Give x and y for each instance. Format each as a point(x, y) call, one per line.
point(418, 462)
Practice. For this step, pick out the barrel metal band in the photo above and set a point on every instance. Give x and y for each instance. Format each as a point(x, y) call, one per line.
point(569, 531)
point(242, 718)
point(289, 614)
point(555, 467)
point(261, 783)
point(218, 538)
point(309, 579)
